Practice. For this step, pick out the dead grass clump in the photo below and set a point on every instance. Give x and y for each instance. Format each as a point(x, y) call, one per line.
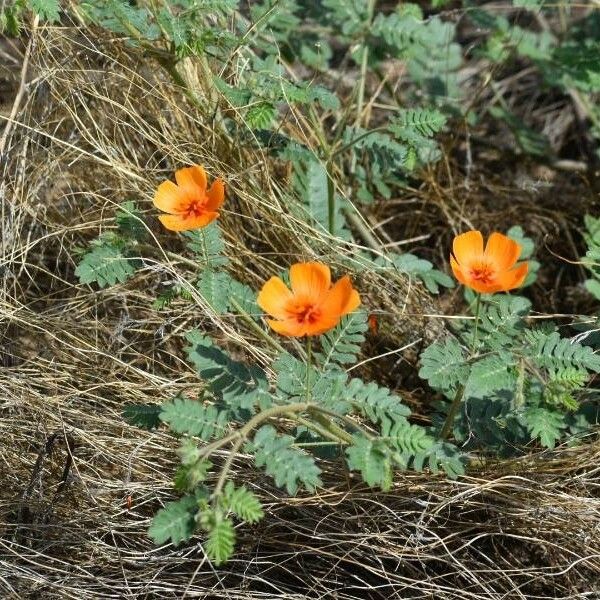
point(79, 485)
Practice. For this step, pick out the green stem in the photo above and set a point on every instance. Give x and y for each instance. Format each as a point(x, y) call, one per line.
point(476, 329)
point(322, 430)
point(330, 201)
point(242, 434)
point(308, 365)
point(449, 422)
point(334, 431)
point(348, 420)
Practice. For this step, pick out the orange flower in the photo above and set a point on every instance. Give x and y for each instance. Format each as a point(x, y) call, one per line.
point(313, 306)
point(188, 204)
point(490, 270)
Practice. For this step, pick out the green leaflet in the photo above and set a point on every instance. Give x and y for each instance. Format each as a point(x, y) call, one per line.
point(550, 351)
point(411, 265)
point(377, 403)
point(208, 245)
point(290, 467)
point(215, 287)
point(184, 415)
point(491, 374)
point(310, 182)
point(48, 10)
point(220, 542)
point(543, 424)
point(242, 503)
point(443, 365)
point(175, 522)
point(146, 416)
point(106, 264)
point(372, 459)
point(239, 386)
point(342, 344)
point(501, 319)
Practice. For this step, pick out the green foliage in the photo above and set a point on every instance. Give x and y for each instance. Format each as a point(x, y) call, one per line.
point(550, 351)
point(130, 222)
point(214, 286)
point(146, 416)
point(106, 263)
point(416, 128)
point(242, 503)
point(421, 269)
point(342, 344)
point(231, 382)
point(560, 387)
point(311, 183)
point(48, 10)
point(544, 424)
point(372, 459)
point(175, 522)
point(208, 245)
point(288, 466)
point(261, 116)
point(184, 415)
point(377, 403)
point(220, 543)
point(501, 319)
point(113, 256)
point(491, 374)
point(591, 260)
point(518, 382)
point(444, 365)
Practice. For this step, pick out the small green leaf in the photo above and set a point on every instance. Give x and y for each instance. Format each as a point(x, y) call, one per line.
point(371, 458)
point(220, 543)
point(184, 415)
point(242, 503)
point(175, 522)
point(146, 416)
point(48, 10)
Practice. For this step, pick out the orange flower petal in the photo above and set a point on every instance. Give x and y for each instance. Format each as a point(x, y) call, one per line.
point(502, 251)
point(321, 326)
point(468, 247)
point(458, 272)
point(169, 198)
point(509, 280)
point(340, 300)
point(289, 327)
point(273, 298)
point(215, 195)
point(310, 280)
point(184, 223)
point(192, 181)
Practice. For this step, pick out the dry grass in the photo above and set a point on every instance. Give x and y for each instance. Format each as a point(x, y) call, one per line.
point(98, 126)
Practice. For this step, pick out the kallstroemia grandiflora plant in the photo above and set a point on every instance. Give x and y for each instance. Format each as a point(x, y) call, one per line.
point(505, 383)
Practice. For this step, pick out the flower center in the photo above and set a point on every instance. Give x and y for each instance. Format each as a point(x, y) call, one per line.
point(306, 313)
point(195, 208)
point(482, 272)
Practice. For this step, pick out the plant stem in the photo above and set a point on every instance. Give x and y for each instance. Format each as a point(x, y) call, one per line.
point(348, 420)
point(449, 422)
point(308, 365)
point(476, 329)
point(333, 430)
point(241, 435)
point(330, 200)
point(460, 391)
